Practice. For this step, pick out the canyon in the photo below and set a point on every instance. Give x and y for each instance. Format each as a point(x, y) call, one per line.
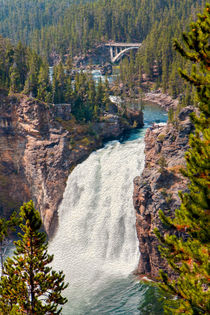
point(41, 144)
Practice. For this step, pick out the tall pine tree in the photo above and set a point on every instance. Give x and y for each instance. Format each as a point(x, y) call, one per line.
point(6, 226)
point(44, 88)
point(188, 255)
point(31, 83)
point(29, 286)
point(59, 84)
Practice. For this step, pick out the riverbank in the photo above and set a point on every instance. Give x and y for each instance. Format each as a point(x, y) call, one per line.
point(144, 92)
point(163, 100)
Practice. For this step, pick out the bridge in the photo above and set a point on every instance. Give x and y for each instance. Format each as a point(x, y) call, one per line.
point(117, 50)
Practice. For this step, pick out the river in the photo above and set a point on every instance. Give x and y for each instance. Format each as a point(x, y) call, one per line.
point(96, 244)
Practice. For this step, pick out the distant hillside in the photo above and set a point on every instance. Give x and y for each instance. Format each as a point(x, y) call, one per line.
point(156, 63)
point(59, 27)
point(74, 26)
point(20, 18)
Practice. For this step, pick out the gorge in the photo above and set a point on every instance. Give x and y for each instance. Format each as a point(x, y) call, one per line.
point(40, 145)
point(104, 127)
point(96, 243)
point(96, 215)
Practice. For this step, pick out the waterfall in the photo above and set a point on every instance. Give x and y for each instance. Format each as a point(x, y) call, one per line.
point(96, 240)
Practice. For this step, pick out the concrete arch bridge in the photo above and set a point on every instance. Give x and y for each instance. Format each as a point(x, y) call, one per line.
point(117, 50)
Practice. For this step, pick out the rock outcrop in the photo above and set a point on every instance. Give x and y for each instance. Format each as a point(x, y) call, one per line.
point(158, 186)
point(39, 146)
point(163, 100)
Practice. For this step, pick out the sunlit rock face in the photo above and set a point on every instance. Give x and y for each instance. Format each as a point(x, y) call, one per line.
point(158, 186)
point(33, 149)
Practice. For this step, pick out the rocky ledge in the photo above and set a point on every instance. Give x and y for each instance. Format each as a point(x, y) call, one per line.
point(158, 186)
point(40, 145)
point(162, 99)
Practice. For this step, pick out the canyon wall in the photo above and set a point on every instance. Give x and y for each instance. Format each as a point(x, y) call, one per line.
point(40, 145)
point(33, 157)
point(158, 186)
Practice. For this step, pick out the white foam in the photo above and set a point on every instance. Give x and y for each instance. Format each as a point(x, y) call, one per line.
point(97, 237)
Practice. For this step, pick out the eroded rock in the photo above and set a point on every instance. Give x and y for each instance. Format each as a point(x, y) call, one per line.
point(158, 186)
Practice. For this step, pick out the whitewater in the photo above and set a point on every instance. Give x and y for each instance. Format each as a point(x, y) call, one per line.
point(96, 240)
point(96, 243)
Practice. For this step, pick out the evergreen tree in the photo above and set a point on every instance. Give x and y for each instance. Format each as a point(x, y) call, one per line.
point(44, 87)
point(6, 226)
point(68, 65)
point(69, 95)
point(29, 286)
point(187, 250)
point(91, 91)
point(106, 100)
point(31, 83)
point(20, 60)
point(15, 81)
point(100, 93)
point(59, 84)
point(6, 52)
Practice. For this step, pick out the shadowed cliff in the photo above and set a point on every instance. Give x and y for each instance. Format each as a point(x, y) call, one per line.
point(158, 186)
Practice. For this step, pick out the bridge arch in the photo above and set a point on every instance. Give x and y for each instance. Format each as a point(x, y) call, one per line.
point(122, 53)
point(117, 50)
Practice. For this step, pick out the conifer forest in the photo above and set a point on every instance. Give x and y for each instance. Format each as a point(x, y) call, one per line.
point(104, 157)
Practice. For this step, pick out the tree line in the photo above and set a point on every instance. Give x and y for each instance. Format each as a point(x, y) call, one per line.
point(20, 17)
point(23, 71)
point(66, 27)
point(186, 244)
point(70, 28)
point(156, 61)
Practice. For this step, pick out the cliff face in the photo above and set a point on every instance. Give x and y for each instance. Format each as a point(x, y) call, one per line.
point(38, 148)
point(158, 186)
point(33, 149)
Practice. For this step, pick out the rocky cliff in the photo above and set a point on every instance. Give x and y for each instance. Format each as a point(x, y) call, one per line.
point(158, 186)
point(40, 145)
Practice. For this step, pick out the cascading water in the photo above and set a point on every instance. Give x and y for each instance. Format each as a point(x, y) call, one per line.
point(96, 240)
point(96, 244)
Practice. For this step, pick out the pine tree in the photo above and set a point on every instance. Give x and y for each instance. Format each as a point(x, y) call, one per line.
point(59, 84)
point(31, 83)
point(106, 100)
point(6, 226)
point(187, 250)
point(44, 87)
point(100, 93)
point(29, 286)
point(69, 95)
point(15, 82)
point(20, 58)
point(91, 91)
point(68, 65)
